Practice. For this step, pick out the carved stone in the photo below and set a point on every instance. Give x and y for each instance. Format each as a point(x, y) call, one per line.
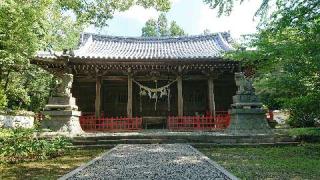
point(64, 86)
point(244, 84)
point(247, 115)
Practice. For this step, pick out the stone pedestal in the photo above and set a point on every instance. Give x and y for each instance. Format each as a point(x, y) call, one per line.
point(247, 115)
point(63, 121)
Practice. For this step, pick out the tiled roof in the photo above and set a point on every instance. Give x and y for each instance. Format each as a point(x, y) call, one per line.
point(187, 47)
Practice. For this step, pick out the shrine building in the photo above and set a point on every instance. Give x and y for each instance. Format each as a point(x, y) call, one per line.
point(152, 80)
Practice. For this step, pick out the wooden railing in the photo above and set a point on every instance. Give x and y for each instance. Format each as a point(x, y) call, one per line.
point(199, 123)
point(90, 123)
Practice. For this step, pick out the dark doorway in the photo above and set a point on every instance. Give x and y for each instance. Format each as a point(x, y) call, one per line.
point(195, 95)
point(114, 98)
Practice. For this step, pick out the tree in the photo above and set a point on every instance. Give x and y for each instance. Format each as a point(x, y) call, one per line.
point(98, 12)
point(225, 6)
point(159, 28)
point(27, 26)
point(287, 60)
point(162, 25)
point(176, 30)
point(150, 29)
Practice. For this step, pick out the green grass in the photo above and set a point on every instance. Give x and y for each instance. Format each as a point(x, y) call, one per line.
point(48, 169)
point(304, 131)
point(287, 162)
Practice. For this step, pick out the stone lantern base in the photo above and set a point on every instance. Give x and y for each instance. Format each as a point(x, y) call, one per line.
point(247, 116)
point(66, 121)
point(248, 121)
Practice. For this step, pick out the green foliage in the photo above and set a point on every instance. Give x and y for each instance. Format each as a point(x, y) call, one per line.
point(304, 110)
point(162, 25)
point(176, 30)
point(150, 29)
point(100, 11)
point(304, 132)
point(225, 7)
point(159, 28)
point(3, 99)
point(287, 60)
point(22, 145)
point(5, 133)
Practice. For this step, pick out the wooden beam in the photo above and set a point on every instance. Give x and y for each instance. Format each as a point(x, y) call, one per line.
point(180, 96)
point(129, 103)
point(115, 78)
point(212, 106)
point(98, 97)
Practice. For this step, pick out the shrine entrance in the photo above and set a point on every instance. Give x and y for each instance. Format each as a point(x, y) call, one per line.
point(154, 107)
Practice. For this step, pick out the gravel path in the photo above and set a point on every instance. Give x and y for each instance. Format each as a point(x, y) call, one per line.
point(151, 161)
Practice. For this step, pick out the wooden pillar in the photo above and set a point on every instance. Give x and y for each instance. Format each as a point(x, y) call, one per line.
point(180, 96)
point(212, 106)
point(129, 103)
point(98, 97)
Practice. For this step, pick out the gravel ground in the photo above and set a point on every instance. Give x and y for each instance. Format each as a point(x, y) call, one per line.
point(151, 161)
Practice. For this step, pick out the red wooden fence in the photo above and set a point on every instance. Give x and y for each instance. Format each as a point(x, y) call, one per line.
point(200, 123)
point(90, 123)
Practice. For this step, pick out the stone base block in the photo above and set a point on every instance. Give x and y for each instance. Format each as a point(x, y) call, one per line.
point(63, 121)
point(248, 121)
point(56, 103)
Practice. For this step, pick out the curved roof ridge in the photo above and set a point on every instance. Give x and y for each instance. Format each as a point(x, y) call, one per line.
point(100, 37)
point(94, 46)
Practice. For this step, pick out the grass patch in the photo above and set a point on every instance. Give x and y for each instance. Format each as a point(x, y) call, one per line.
point(288, 162)
point(304, 131)
point(48, 169)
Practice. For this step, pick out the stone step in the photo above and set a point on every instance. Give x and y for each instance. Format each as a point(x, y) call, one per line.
point(186, 137)
point(214, 140)
point(128, 141)
point(200, 145)
point(132, 141)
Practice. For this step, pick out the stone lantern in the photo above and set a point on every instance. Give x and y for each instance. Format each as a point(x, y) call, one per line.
point(62, 109)
point(247, 115)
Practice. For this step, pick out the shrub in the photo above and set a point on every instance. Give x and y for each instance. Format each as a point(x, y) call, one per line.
point(304, 110)
point(23, 145)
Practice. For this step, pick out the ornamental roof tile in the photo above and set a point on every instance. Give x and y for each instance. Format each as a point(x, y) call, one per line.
point(94, 46)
